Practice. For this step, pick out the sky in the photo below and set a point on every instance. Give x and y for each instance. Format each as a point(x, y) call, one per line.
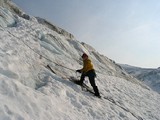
point(126, 31)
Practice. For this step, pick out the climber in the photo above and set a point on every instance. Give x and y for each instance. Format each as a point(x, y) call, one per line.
point(88, 71)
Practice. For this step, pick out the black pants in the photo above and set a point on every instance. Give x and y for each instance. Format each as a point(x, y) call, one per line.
point(91, 75)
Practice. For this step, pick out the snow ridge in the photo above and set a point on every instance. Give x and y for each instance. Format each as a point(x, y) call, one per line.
point(150, 77)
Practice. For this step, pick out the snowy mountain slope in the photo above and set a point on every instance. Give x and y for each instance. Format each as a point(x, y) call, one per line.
point(29, 91)
point(150, 77)
point(8, 4)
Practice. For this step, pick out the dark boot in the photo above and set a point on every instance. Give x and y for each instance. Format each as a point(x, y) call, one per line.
point(79, 82)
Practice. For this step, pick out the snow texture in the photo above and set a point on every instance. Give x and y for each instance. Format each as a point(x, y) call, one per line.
point(30, 91)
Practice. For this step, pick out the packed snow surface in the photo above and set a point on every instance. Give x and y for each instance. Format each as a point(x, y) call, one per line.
point(30, 91)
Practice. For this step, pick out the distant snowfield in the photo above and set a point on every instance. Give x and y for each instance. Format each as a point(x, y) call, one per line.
point(29, 91)
point(150, 77)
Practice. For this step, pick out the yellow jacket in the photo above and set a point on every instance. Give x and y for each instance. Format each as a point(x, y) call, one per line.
point(87, 66)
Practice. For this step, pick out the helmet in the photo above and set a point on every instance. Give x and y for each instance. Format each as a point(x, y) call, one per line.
point(84, 55)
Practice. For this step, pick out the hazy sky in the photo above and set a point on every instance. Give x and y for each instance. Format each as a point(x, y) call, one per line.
point(127, 31)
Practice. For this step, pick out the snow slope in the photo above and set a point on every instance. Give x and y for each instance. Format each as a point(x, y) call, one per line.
point(30, 91)
point(150, 77)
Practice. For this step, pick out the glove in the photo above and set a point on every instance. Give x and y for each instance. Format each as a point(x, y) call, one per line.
point(78, 71)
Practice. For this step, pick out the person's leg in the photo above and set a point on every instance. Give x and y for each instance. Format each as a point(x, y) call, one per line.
point(92, 82)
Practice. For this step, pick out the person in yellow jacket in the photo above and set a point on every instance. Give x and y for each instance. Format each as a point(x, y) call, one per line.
point(88, 71)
